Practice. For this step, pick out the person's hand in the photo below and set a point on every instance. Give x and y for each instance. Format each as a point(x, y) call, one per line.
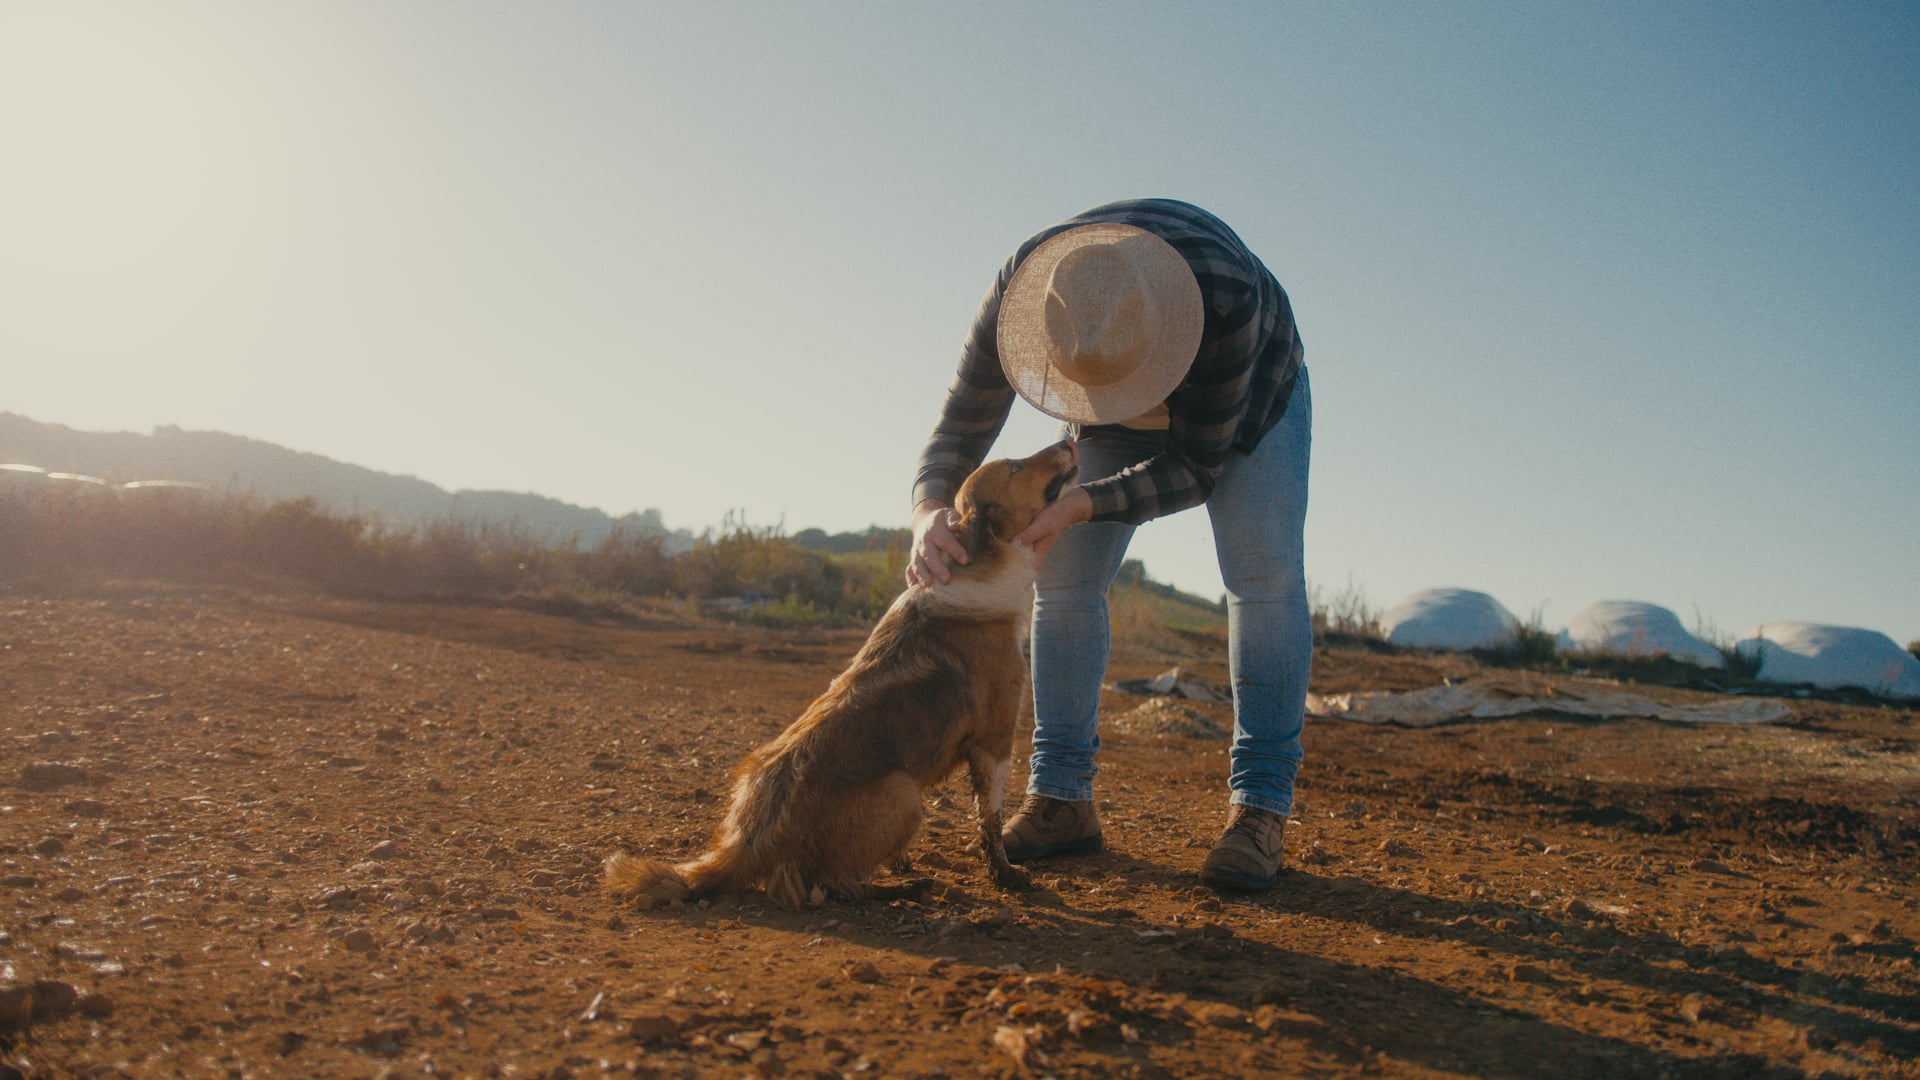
point(1069, 509)
point(934, 544)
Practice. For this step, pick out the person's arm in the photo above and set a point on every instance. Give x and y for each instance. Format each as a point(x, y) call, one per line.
point(971, 417)
point(1203, 415)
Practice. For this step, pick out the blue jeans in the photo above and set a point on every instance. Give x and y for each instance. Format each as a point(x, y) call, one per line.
point(1259, 510)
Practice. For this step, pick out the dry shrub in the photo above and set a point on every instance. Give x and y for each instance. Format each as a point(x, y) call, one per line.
point(1346, 614)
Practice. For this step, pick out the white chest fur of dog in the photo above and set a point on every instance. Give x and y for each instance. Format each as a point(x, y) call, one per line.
point(1007, 592)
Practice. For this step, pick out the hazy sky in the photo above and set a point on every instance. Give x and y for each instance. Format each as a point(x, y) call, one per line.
point(1602, 301)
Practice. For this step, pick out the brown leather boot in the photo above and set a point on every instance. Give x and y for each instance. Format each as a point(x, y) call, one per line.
point(1046, 826)
point(1249, 853)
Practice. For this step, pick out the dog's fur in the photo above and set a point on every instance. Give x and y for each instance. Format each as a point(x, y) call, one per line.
point(941, 681)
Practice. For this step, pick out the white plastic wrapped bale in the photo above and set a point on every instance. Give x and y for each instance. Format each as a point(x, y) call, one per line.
point(1450, 619)
point(1834, 658)
point(1633, 629)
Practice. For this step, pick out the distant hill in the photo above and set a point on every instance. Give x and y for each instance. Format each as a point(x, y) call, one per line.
point(231, 464)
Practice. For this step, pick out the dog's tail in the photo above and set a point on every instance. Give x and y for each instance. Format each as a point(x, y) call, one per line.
point(745, 849)
point(651, 883)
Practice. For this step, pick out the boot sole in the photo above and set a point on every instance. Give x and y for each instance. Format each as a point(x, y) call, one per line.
point(1086, 845)
point(1220, 880)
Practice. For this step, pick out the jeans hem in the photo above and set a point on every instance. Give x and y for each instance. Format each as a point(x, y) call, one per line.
point(1063, 794)
point(1283, 807)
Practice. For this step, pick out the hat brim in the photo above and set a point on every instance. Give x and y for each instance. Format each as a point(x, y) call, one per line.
point(1026, 349)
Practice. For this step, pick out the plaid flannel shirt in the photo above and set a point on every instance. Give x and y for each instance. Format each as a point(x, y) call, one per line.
point(1233, 395)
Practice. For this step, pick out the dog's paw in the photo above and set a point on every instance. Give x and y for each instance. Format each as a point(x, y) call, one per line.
point(1012, 878)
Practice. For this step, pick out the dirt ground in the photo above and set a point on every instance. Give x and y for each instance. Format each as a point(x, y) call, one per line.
point(254, 835)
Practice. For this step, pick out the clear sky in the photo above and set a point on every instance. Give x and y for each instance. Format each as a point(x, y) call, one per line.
point(1601, 301)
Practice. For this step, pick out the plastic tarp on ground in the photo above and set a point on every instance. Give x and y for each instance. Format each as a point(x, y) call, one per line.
point(1456, 619)
point(1491, 697)
point(1833, 658)
point(1501, 697)
point(1632, 629)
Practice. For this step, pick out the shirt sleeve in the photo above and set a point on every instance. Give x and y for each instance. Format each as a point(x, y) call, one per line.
point(975, 408)
point(1203, 415)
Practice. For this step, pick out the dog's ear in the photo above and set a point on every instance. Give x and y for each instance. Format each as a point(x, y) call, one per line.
point(982, 520)
point(980, 524)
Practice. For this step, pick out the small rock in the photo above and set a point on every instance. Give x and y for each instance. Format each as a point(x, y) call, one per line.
point(864, 972)
point(382, 1040)
point(747, 1040)
point(1215, 1014)
point(53, 1000)
point(48, 775)
point(385, 849)
point(337, 899)
point(358, 941)
point(1528, 973)
point(1274, 991)
point(49, 847)
point(1693, 1008)
point(653, 1027)
point(1395, 846)
point(287, 1042)
point(16, 1008)
point(1015, 1042)
point(88, 808)
point(19, 881)
point(1819, 1039)
point(71, 895)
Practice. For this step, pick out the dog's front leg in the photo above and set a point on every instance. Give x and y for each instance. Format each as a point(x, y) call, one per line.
point(989, 778)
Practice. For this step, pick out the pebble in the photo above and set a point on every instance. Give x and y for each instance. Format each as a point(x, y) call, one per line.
point(15, 1003)
point(89, 808)
point(652, 1027)
point(53, 1000)
point(1529, 973)
point(385, 849)
point(358, 940)
point(864, 972)
point(48, 775)
point(287, 1042)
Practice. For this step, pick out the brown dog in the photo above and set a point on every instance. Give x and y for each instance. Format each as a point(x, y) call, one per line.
point(940, 681)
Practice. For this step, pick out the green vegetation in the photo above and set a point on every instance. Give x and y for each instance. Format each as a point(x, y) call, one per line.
point(60, 538)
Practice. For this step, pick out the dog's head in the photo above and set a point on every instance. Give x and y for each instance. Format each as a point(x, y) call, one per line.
point(1002, 498)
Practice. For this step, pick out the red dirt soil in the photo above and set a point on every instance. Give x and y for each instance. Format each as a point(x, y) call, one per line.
point(245, 834)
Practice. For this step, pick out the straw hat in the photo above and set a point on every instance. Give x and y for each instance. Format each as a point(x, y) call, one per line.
point(1100, 323)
